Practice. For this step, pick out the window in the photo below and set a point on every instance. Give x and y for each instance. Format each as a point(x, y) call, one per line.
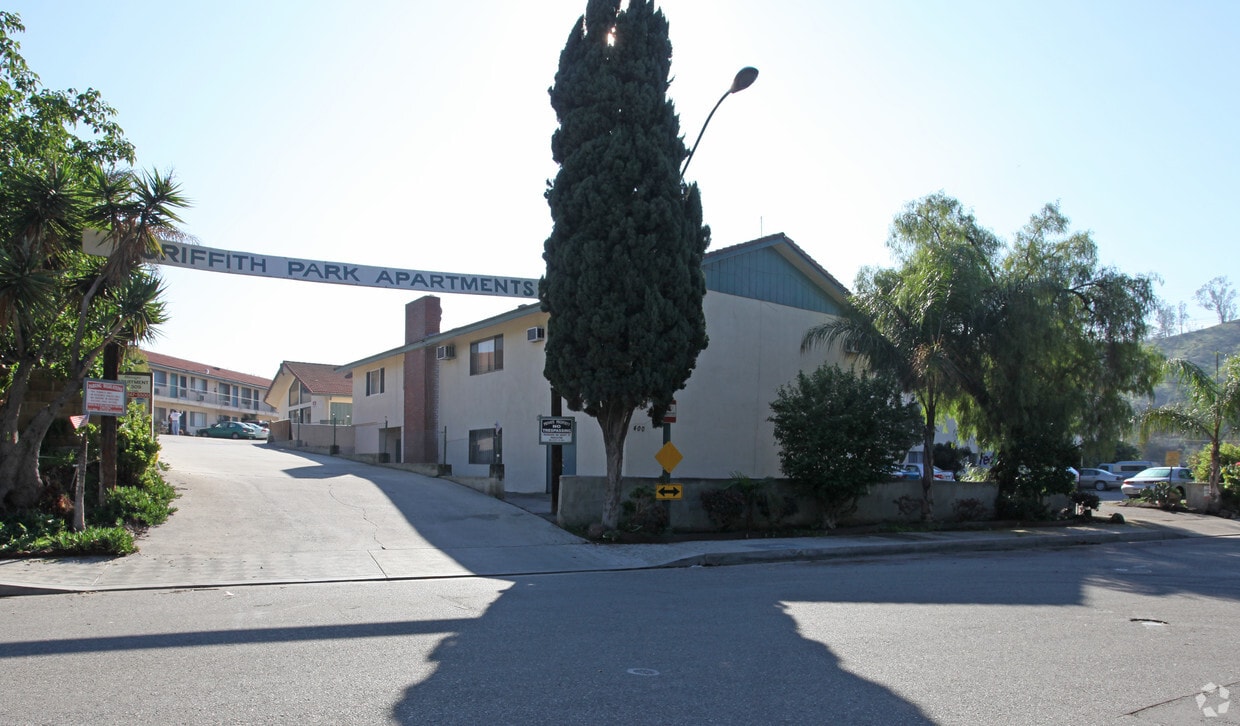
point(341, 413)
point(298, 393)
point(486, 355)
point(481, 445)
point(374, 382)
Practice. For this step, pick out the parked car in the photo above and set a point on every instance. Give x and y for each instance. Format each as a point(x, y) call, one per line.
point(233, 430)
point(1126, 468)
point(1176, 475)
point(260, 424)
point(1099, 479)
point(940, 474)
point(905, 471)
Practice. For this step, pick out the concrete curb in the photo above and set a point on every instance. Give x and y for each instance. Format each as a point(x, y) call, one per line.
point(859, 547)
point(860, 551)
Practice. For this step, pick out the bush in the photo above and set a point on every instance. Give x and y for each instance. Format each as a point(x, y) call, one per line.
point(1009, 505)
point(1163, 495)
point(142, 499)
point(643, 513)
point(839, 433)
point(1086, 502)
point(725, 507)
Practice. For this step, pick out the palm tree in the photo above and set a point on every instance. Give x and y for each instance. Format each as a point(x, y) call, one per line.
point(920, 321)
point(1212, 411)
point(60, 308)
point(912, 342)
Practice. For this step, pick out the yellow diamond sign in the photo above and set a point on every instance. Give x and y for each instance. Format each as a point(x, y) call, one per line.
point(668, 457)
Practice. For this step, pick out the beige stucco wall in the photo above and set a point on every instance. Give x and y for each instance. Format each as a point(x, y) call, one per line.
point(370, 412)
point(514, 397)
point(721, 426)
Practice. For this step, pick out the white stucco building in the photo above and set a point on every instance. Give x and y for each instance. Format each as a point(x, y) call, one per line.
point(451, 397)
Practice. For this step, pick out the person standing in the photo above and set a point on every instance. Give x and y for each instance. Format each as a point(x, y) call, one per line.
point(174, 422)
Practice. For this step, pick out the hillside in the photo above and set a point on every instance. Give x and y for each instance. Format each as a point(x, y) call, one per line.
point(1200, 346)
point(1203, 347)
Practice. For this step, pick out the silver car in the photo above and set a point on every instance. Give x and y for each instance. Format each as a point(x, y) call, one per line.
point(1174, 475)
point(1099, 479)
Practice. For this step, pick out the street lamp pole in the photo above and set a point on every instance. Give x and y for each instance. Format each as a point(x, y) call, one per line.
point(744, 79)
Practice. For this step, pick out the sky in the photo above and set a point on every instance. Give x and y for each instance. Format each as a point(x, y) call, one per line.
point(416, 135)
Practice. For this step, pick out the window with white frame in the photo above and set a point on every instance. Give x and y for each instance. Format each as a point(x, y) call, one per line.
point(374, 382)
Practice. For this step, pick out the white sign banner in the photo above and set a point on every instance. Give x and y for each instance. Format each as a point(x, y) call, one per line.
point(209, 259)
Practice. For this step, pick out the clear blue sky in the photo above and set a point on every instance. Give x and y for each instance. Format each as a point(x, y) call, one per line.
point(416, 134)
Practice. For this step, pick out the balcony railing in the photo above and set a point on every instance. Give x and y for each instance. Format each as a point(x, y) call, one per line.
point(208, 399)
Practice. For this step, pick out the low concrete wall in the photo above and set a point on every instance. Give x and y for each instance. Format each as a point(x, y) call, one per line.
point(489, 486)
point(581, 501)
point(312, 437)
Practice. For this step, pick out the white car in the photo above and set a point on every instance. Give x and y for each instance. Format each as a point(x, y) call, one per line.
point(1174, 475)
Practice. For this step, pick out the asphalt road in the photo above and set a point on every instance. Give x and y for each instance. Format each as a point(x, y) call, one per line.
point(1124, 634)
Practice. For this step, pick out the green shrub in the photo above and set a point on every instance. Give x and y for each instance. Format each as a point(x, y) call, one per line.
point(643, 513)
point(839, 433)
point(725, 507)
point(140, 506)
point(1163, 495)
point(141, 499)
point(1009, 505)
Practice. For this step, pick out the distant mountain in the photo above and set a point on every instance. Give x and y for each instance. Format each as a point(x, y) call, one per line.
point(1203, 347)
point(1200, 346)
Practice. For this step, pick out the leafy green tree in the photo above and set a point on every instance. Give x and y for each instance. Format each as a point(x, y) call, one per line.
point(919, 320)
point(1062, 351)
point(839, 433)
point(624, 283)
point(60, 308)
point(1211, 410)
point(1031, 346)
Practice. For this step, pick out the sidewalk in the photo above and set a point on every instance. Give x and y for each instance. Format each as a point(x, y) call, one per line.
point(191, 568)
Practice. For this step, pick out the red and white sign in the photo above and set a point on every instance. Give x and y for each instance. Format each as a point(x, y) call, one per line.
point(104, 398)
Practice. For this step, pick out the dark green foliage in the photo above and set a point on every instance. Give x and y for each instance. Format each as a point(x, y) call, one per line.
point(59, 308)
point(725, 507)
point(1210, 411)
point(952, 458)
point(1021, 509)
point(624, 283)
point(142, 500)
point(747, 502)
point(1086, 502)
point(644, 513)
point(1163, 495)
point(839, 433)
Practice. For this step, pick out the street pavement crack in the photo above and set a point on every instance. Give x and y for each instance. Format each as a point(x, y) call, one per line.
point(331, 491)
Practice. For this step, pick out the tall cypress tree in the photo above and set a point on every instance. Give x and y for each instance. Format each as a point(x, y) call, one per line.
point(624, 282)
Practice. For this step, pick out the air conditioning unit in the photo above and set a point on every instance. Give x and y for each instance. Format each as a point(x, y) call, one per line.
point(445, 352)
point(201, 397)
point(536, 334)
point(159, 391)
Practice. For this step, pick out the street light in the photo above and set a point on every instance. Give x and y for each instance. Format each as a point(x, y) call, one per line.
point(744, 79)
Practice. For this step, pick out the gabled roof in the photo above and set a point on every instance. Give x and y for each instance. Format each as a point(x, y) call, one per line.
point(168, 362)
point(774, 269)
point(321, 379)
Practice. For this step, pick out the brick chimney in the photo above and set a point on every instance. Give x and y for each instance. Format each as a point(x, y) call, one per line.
point(422, 318)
